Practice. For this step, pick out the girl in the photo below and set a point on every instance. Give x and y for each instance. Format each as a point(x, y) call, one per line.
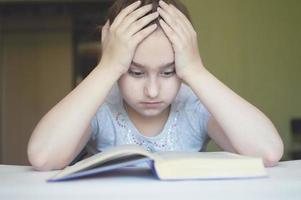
point(151, 88)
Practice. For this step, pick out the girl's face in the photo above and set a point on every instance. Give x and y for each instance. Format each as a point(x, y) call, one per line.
point(151, 83)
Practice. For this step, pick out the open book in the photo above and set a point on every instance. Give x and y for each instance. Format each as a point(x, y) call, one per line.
point(167, 165)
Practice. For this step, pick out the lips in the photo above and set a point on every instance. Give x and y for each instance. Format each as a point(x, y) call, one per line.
point(157, 102)
point(152, 104)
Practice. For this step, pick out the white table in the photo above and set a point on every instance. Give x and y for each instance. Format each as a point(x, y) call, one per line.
point(22, 182)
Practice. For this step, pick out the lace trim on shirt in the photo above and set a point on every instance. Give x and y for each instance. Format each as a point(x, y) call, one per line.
point(166, 140)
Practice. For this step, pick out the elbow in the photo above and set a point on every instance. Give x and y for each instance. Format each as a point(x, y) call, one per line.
point(41, 161)
point(273, 156)
point(43, 158)
point(38, 161)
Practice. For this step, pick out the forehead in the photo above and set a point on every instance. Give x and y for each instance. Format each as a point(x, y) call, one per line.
point(155, 50)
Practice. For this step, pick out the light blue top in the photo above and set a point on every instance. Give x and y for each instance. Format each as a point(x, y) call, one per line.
point(185, 129)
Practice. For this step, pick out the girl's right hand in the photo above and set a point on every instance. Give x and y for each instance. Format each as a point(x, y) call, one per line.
point(119, 41)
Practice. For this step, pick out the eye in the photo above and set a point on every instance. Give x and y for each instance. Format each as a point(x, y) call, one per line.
point(168, 73)
point(137, 74)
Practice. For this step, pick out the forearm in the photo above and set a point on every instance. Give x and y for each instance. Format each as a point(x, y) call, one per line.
point(248, 129)
point(59, 133)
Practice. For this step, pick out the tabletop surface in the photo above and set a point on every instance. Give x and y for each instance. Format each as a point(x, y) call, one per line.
point(22, 182)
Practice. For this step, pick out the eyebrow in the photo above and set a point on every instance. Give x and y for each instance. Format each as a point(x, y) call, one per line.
point(161, 67)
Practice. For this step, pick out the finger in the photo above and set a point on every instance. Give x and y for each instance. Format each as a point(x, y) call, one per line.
point(124, 13)
point(186, 21)
point(138, 37)
point(168, 19)
point(138, 25)
point(174, 18)
point(132, 17)
point(166, 7)
point(170, 33)
point(182, 20)
point(105, 30)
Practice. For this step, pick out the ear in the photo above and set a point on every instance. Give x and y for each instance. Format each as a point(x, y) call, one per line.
point(105, 30)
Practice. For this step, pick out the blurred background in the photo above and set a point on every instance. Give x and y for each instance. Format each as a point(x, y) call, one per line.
point(48, 46)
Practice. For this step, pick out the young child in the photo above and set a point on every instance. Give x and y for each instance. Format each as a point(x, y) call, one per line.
point(151, 88)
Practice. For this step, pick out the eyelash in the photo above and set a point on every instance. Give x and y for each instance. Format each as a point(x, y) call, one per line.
point(139, 74)
point(171, 73)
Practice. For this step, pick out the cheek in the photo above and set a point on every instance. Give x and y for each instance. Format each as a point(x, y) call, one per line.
point(123, 84)
point(127, 85)
point(171, 87)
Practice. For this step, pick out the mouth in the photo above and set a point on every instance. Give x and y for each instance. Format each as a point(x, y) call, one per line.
point(152, 104)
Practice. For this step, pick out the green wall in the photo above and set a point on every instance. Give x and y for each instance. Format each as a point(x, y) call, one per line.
point(254, 47)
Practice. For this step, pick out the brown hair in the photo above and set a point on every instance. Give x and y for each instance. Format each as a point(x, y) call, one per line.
point(121, 4)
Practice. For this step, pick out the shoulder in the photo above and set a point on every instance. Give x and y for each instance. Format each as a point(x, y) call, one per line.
point(186, 99)
point(192, 110)
point(107, 111)
point(112, 103)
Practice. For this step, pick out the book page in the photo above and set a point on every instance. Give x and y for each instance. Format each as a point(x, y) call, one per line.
point(194, 165)
point(111, 154)
point(171, 155)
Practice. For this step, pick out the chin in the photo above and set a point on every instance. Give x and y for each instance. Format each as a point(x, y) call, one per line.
point(150, 112)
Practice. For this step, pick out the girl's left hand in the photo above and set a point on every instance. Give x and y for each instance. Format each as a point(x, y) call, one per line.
point(183, 38)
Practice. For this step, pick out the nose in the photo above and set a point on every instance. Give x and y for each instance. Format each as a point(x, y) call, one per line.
point(151, 88)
